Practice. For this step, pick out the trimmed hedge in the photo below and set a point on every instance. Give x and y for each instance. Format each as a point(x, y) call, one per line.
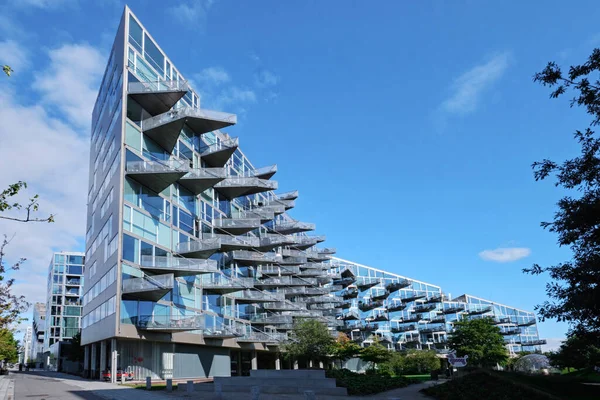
point(363, 384)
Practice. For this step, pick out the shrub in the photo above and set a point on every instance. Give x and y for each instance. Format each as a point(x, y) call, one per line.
point(363, 384)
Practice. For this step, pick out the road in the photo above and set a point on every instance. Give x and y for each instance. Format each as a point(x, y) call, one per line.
point(39, 386)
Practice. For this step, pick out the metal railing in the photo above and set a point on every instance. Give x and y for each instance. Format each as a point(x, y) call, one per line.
point(271, 169)
point(223, 144)
point(291, 195)
point(293, 225)
point(257, 295)
point(170, 322)
point(271, 319)
point(156, 167)
point(203, 244)
point(221, 281)
point(179, 264)
point(256, 256)
point(208, 173)
point(229, 223)
point(158, 86)
point(275, 270)
point(147, 283)
point(244, 181)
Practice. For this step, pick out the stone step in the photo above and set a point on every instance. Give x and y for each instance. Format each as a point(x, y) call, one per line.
point(291, 381)
point(288, 373)
point(267, 389)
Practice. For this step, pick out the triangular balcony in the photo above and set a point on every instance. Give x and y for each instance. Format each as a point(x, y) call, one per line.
point(147, 288)
point(165, 128)
point(255, 258)
point(237, 186)
point(250, 296)
point(397, 285)
point(222, 284)
point(217, 154)
point(197, 180)
point(201, 248)
point(290, 227)
point(231, 242)
point(366, 283)
point(157, 97)
point(291, 195)
point(170, 323)
point(156, 175)
point(178, 266)
point(236, 226)
point(264, 172)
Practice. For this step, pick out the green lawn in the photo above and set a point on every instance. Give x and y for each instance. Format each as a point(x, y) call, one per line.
point(419, 378)
point(492, 385)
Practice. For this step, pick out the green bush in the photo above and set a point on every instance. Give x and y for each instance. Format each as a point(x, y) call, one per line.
point(478, 385)
point(363, 384)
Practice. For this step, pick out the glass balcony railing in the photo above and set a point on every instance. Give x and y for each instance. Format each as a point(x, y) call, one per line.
point(293, 253)
point(250, 296)
point(205, 173)
point(397, 285)
point(293, 227)
point(229, 242)
point(222, 145)
point(452, 310)
point(274, 270)
point(433, 329)
point(200, 120)
point(283, 306)
point(234, 224)
point(263, 337)
point(156, 167)
point(478, 310)
point(249, 182)
point(265, 319)
point(218, 282)
point(223, 330)
point(537, 342)
point(369, 305)
point(508, 332)
point(274, 240)
point(425, 308)
point(177, 264)
point(528, 322)
point(286, 281)
point(404, 328)
point(256, 257)
point(204, 246)
point(291, 195)
point(307, 241)
point(299, 291)
point(263, 215)
point(170, 323)
point(263, 172)
point(157, 86)
point(148, 283)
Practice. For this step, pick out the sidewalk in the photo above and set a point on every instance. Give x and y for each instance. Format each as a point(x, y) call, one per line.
point(7, 387)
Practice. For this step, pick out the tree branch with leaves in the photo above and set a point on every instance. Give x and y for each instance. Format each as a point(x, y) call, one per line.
point(29, 209)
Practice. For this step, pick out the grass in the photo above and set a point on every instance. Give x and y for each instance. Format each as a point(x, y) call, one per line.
point(143, 386)
point(492, 385)
point(418, 378)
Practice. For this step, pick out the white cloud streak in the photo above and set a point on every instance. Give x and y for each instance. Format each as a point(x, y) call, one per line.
point(13, 54)
point(46, 144)
point(192, 13)
point(212, 76)
point(505, 254)
point(70, 85)
point(468, 88)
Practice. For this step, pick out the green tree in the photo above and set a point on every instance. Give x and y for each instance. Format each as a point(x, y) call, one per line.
point(394, 366)
point(9, 347)
point(421, 361)
point(343, 348)
point(479, 339)
point(574, 291)
point(309, 340)
point(7, 204)
point(577, 352)
point(375, 354)
point(74, 350)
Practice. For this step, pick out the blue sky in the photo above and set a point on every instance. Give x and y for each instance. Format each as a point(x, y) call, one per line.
point(408, 127)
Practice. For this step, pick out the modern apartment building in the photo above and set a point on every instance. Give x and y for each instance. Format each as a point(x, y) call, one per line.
point(407, 313)
point(63, 304)
point(193, 265)
point(38, 330)
point(24, 356)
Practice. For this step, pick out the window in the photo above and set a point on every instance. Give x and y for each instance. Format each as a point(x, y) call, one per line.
point(135, 34)
point(131, 249)
point(153, 55)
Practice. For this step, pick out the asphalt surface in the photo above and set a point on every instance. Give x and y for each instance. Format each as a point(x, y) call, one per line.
point(33, 386)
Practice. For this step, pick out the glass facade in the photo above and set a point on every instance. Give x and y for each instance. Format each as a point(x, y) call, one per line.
point(63, 306)
point(187, 237)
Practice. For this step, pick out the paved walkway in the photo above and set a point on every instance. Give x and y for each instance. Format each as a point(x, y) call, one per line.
point(7, 387)
point(44, 385)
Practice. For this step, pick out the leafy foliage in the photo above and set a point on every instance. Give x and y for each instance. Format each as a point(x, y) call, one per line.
point(309, 340)
point(481, 340)
point(11, 306)
point(577, 352)
point(343, 348)
point(361, 384)
point(375, 354)
point(574, 291)
point(8, 346)
point(410, 362)
point(7, 70)
point(30, 208)
point(74, 351)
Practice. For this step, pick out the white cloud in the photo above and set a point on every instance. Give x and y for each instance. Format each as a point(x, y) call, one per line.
point(265, 78)
point(505, 254)
point(192, 13)
point(45, 4)
point(468, 88)
point(71, 83)
point(212, 76)
point(233, 96)
point(46, 144)
point(13, 54)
